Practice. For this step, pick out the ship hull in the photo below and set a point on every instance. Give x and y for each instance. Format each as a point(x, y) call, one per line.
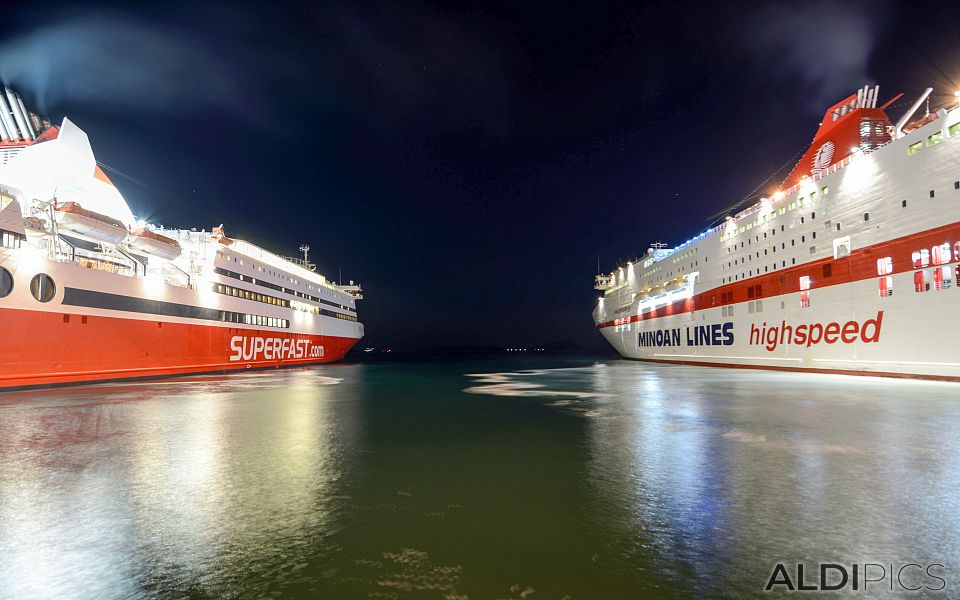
point(102, 326)
point(853, 271)
point(65, 348)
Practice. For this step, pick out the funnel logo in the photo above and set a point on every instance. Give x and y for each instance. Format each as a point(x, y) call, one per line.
point(833, 577)
point(822, 158)
point(272, 348)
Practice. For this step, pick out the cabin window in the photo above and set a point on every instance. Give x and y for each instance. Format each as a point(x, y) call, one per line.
point(921, 258)
point(941, 254)
point(42, 287)
point(942, 278)
point(956, 251)
point(886, 287)
point(824, 190)
point(804, 299)
point(884, 265)
point(935, 138)
point(914, 148)
point(805, 282)
point(827, 270)
point(866, 216)
point(954, 129)
point(6, 283)
point(932, 194)
point(921, 281)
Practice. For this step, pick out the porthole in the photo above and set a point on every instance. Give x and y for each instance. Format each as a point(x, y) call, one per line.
point(6, 283)
point(43, 288)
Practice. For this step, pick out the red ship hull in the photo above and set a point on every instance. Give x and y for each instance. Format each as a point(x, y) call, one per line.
point(62, 348)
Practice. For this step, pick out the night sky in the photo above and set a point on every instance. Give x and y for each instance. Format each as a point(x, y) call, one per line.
point(468, 163)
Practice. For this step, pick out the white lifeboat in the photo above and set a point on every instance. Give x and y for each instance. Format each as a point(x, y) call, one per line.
point(73, 218)
point(152, 243)
point(674, 285)
point(658, 291)
point(642, 295)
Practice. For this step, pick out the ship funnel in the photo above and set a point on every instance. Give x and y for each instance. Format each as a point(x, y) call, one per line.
point(13, 102)
point(10, 130)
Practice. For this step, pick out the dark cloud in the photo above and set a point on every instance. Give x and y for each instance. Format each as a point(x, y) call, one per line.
point(387, 63)
point(824, 46)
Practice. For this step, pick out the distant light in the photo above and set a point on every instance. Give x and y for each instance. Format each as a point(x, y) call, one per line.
point(854, 149)
point(957, 94)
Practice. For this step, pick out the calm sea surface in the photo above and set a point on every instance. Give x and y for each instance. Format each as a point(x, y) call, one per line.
point(526, 479)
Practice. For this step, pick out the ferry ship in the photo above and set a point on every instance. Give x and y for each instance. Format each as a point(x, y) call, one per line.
point(88, 292)
point(849, 267)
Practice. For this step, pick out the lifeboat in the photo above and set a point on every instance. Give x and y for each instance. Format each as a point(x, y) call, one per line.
point(152, 243)
point(674, 285)
point(221, 236)
point(73, 218)
point(658, 291)
point(642, 295)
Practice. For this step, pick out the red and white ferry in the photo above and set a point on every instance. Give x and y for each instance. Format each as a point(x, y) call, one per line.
point(850, 267)
point(88, 292)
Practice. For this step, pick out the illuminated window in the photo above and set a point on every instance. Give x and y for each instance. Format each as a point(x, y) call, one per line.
point(941, 254)
point(935, 139)
point(824, 190)
point(921, 281)
point(921, 258)
point(954, 129)
point(805, 282)
point(956, 251)
point(942, 278)
point(886, 287)
point(914, 148)
point(884, 265)
point(805, 299)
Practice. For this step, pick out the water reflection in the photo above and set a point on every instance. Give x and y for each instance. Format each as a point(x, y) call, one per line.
point(728, 472)
point(457, 480)
point(113, 491)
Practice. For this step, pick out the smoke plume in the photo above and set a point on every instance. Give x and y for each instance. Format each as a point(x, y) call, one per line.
point(824, 46)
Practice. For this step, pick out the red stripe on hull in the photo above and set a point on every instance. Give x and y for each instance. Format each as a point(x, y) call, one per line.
point(47, 348)
point(860, 265)
point(703, 363)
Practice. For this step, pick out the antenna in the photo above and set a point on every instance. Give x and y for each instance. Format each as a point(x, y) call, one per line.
point(305, 248)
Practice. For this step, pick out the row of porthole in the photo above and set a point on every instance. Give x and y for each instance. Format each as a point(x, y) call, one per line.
point(41, 286)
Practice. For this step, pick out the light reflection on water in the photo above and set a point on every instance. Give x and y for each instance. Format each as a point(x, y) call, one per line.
point(490, 479)
point(125, 490)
